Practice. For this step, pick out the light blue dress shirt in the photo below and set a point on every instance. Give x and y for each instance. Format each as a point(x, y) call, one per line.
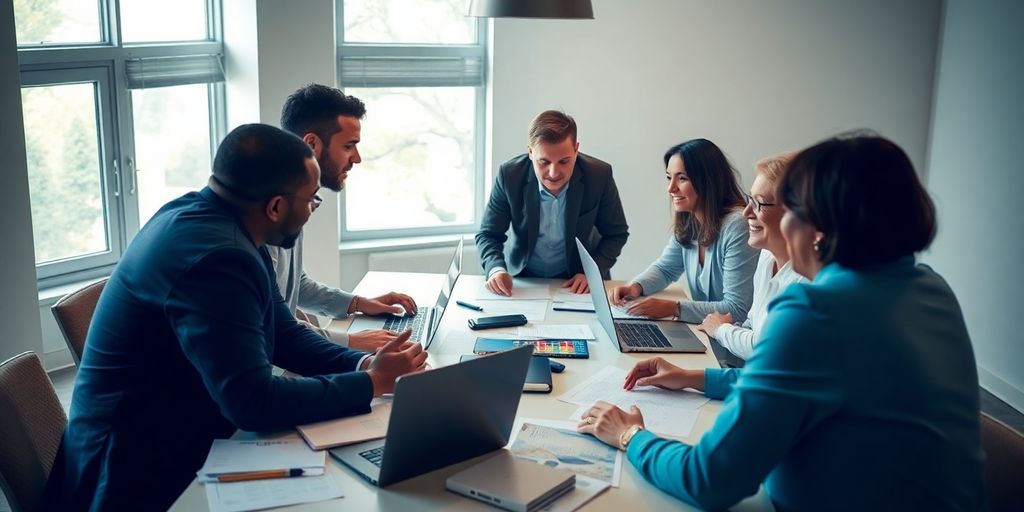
point(548, 258)
point(862, 394)
point(724, 284)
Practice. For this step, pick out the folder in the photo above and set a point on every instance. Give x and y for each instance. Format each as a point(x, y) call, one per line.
point(349, 430)
point(538, 376)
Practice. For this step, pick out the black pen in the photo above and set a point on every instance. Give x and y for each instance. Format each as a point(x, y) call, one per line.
point(468, 305)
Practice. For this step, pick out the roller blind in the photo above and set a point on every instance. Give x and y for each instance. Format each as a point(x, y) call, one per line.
point(169, 71)
point(433, 71)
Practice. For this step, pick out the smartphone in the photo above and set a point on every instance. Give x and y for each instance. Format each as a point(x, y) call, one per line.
point(490, 322)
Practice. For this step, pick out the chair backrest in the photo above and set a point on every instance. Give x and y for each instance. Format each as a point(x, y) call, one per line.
point(1004, 464)
point(73, 313)
point(31, 424)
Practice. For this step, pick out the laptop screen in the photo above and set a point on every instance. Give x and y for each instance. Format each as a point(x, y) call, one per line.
point(454, 270)
point(597, 292)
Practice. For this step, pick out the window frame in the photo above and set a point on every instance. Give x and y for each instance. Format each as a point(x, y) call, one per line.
point(476, 49)
point(60, 63)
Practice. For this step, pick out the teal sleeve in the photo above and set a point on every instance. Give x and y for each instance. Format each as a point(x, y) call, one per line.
point(718, 382)
point(786, 389)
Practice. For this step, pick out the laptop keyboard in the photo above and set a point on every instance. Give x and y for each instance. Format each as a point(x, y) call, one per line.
point(641, 335)
point(375, 455)
point(416, 323)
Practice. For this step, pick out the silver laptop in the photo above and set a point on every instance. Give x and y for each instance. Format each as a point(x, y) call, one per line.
point(443, 416)
point(635, 335)
point(424, 323)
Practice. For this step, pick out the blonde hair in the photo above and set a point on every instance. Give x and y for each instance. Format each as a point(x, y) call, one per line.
point(551, 127)
point(773, 167)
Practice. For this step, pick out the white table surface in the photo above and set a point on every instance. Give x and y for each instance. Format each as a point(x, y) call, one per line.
point(427, 492)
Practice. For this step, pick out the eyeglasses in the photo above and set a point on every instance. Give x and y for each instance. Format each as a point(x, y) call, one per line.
point(314, 202)
point(757, 205)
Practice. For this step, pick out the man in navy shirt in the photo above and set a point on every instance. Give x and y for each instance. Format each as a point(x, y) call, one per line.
point(187, 330)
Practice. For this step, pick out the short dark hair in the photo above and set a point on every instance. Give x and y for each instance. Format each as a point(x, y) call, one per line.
point(258, 161)
point(551, 127)
point(718, 191)
point(861, 191)
point(315, 109)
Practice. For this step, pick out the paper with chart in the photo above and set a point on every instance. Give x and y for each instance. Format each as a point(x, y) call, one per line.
point(557, 444)
point(274, 492)
point(666, 412)
point(534, 310)
point(521, 290)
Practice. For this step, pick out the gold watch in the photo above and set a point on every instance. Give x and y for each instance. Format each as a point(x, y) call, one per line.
point(627, 435)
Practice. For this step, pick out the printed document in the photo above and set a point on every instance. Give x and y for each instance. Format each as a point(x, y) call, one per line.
point(276, 492)
point(665, 412)
point(235, 456)
point(521, 290)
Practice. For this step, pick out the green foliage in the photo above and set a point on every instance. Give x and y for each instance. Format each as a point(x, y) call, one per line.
point(36, 20)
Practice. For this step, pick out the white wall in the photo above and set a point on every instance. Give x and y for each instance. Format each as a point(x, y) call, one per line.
point(18, 308)
point(978, 184)
point(756, 78)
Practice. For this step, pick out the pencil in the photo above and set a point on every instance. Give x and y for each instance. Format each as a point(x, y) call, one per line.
point(260, 475)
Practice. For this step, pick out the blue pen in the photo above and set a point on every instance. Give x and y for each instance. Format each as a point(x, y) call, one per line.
point(468, 305)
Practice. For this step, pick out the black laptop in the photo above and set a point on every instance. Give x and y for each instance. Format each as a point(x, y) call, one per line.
point(444, 416)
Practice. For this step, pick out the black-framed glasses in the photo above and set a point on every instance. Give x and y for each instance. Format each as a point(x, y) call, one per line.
point(757, 205)
point(314, 201)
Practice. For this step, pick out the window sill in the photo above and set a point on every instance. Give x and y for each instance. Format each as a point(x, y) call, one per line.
point(403, 243)
point(51, 294)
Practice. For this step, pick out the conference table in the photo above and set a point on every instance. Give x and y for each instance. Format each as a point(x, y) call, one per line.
point(453, 339)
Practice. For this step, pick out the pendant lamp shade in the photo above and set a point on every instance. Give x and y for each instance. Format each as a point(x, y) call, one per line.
point(551, 9)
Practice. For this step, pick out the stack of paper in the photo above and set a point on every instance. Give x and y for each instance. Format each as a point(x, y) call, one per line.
point(231, 457)
point(252, 461)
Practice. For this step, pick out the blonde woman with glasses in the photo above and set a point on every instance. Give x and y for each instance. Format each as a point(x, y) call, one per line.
point(774, 271)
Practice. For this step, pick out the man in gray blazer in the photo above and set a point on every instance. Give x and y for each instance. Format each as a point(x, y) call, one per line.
point(550, 196)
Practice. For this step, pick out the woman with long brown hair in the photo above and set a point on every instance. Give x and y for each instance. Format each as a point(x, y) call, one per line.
point(708, 243)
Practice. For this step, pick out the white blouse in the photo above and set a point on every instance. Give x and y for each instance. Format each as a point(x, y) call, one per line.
point(740, 339)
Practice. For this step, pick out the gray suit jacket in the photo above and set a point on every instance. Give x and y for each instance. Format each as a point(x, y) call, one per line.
point(593, 213)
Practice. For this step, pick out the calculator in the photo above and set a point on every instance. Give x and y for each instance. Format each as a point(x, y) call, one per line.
point(547, 348)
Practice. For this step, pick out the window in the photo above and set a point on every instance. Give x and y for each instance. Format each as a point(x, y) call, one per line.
point(123, 103)
point(419, 67)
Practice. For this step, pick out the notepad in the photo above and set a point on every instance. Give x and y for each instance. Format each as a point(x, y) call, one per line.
point(538, 375)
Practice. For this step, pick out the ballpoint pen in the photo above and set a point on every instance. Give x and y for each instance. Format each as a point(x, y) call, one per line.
point(468, 305)
point(260, 475)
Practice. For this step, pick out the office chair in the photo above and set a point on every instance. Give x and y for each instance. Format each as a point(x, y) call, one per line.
point(1004, 464)
point(31, 425)
point(73, 313)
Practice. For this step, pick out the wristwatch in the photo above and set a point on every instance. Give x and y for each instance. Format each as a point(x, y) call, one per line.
point(627, 435)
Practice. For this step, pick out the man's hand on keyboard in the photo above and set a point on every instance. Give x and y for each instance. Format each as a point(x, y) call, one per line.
point(393, 303)
point(371, 340)
point(396, 358)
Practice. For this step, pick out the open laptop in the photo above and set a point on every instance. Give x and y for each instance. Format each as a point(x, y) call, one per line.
point(424, 323)
point(443, 416)
point(635, 335)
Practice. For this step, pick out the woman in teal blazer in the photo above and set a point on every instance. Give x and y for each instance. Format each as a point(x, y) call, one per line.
point(708, 243)
point(862, 393)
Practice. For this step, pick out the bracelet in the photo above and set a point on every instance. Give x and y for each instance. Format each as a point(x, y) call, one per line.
point(355, 304)
point(627, 435)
